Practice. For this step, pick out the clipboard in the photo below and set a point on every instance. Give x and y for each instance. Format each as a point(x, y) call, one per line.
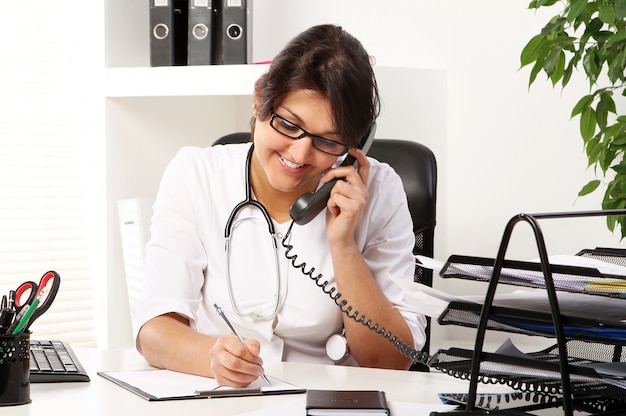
point(163, 385)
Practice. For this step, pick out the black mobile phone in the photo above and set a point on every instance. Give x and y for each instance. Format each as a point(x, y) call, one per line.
point(308, 205)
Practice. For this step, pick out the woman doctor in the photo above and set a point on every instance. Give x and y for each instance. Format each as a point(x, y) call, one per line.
point(317, 102)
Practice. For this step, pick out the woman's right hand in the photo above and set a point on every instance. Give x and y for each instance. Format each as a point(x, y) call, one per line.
point(235, 364)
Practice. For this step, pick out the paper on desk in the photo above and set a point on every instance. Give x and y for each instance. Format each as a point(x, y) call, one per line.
point(169, 385)
point(606, 285)
point(610, 373)
point(423, 299)
point(609, 370)
point(429, 263)
point(603, 267)
point(607, 312)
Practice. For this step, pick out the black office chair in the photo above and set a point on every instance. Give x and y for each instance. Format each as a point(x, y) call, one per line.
point(417, 167)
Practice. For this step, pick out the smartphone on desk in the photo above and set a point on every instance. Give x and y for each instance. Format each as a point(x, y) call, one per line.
point(308, 205)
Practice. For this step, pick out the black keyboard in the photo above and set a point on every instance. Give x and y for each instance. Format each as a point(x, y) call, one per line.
point(54, 362)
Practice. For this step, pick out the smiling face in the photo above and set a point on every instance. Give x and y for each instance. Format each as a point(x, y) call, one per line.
point(289, 166)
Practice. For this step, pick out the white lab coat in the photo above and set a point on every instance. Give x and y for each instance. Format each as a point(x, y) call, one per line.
point(185, 265)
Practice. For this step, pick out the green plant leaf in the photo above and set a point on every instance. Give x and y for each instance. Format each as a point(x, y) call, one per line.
point(616, 38)
point(606, 12)
point(592, 149)
point(533, 73)
point(551, 61)
point(620, 129)
point(619, 140)
point(554, 27)
point(602, 36)
point(589, 188)
point(569, 70)
point(530, 53)
point(610, 133)
point(617, 66)
point(587, 123)
point(609, 192)
point(611, 221)
point(590, 63)
point(559, 68)
point(616, 62)
point(620, 9)
point(606, 97)
point(535, 4)
point(620, 168)
point(583, 103)
point(593, 27)
point(606, 157)
point(605, 105)
point(577, 8)
point(567, 75)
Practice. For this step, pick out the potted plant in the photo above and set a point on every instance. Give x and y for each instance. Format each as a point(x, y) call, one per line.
point(590, 36)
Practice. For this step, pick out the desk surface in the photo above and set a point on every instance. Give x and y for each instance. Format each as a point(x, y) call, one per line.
point(409, 393)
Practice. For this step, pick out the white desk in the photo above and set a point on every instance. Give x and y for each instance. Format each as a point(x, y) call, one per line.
point(409, 393)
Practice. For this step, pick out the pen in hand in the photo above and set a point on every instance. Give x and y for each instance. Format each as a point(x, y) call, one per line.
point(234, 331)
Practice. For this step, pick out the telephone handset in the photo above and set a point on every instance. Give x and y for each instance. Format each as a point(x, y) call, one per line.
point(308, 205)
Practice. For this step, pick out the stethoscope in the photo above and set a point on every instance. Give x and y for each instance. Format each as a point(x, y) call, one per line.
point(337, 345)
point(230, 225)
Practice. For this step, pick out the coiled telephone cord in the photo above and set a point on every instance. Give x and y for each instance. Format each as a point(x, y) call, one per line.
point(345, 307)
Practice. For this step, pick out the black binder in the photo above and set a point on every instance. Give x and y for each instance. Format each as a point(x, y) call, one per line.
point(199, 34)
point(346, 402)
point(168, 32)
point(232, 35)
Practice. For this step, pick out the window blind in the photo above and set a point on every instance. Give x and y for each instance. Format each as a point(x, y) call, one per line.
point(51, 122)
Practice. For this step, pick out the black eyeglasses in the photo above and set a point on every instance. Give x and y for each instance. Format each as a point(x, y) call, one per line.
point(287, 128)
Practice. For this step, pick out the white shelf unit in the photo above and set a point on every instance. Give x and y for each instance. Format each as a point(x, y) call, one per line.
point(186, 81)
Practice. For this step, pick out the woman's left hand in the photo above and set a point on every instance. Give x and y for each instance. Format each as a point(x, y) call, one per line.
point(347, 198)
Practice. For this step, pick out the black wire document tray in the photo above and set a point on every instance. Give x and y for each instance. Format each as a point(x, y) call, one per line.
point(517, 402)
point(574, 279)
point(540, 371)
point(578, 303)
point(587, 318)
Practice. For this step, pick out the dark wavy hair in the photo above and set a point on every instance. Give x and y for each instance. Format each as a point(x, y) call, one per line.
point(332, 62)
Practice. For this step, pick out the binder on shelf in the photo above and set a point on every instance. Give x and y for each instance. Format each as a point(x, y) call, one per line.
point(199, 33)
point(232, 43)
point(168, 32)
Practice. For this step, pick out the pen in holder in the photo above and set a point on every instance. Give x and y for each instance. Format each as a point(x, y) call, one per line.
point(15, 369)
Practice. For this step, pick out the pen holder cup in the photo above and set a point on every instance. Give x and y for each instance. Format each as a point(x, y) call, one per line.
point(15, 369)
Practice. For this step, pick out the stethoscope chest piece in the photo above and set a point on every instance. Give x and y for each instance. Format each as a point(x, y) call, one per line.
point(337, 347)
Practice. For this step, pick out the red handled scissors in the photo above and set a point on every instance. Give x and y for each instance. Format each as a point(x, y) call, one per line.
point(50, 282)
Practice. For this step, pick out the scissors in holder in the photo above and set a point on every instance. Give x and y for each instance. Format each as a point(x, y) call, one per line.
point(44, 292)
